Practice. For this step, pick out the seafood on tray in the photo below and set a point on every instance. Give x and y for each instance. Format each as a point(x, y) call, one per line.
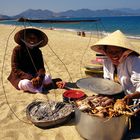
point(104, 106)
point(49, 113)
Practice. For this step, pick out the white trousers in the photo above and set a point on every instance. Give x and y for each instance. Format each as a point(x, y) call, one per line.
point(26, 84)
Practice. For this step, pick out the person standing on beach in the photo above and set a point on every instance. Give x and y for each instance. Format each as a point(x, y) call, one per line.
point(28, 72)
point(122, 64)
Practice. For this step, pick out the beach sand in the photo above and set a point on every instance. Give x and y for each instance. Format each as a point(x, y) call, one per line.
point(65, 56)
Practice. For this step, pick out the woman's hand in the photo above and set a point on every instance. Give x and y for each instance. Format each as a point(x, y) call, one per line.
point(37, 82)
point(60, 84)
point(128, 98)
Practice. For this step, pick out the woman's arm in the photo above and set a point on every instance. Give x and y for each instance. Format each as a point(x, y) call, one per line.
point(15, 64)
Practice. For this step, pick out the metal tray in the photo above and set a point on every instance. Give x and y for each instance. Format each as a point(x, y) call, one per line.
point(100, 85)
point(49, 114)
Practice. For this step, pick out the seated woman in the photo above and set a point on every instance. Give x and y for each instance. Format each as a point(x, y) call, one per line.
point(28, 72)
point(122, 64)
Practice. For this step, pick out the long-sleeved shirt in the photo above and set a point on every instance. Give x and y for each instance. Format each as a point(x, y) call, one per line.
point(128, 73)
point(23, 66)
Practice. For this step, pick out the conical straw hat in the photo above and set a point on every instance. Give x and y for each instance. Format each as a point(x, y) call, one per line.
point(22, 33)
point(117, 39)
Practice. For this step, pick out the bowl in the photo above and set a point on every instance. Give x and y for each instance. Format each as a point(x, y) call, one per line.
point(73, 95)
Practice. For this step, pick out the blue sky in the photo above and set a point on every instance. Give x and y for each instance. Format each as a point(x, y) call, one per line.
point(13, 7)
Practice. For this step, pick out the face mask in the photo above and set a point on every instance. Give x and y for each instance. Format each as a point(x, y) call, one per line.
point(31, 46)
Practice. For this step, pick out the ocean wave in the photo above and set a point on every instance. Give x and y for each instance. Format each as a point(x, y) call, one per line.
point(101, 33)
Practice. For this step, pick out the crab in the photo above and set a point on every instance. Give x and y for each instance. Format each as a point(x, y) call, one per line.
point(105, 107)
point(120, 108)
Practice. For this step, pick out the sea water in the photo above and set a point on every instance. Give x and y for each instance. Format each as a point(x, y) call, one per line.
point(130, 25)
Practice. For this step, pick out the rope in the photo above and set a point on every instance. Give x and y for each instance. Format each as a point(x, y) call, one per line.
point(61, 62)
point(31, 59)
point(2, 71)
point(81, 62)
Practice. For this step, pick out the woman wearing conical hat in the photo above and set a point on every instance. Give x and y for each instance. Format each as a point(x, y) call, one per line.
point(122, 63)
point(28, 72)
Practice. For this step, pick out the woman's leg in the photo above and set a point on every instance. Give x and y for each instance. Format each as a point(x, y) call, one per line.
point(26, 85)
point(47, 80)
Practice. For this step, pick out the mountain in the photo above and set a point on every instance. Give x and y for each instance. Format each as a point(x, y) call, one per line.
point(45, 14)
point(36, 14)
point(128, 10)
point(4, 17)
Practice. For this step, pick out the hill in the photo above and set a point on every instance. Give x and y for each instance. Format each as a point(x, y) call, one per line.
point(45, 14)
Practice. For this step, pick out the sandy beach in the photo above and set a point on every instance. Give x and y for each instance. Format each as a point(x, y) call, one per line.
point(65, 57)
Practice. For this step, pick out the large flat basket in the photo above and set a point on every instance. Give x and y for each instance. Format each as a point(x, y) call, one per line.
point(49, 114)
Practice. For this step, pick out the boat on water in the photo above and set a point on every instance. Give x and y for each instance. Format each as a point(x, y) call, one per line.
point(56, 20)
